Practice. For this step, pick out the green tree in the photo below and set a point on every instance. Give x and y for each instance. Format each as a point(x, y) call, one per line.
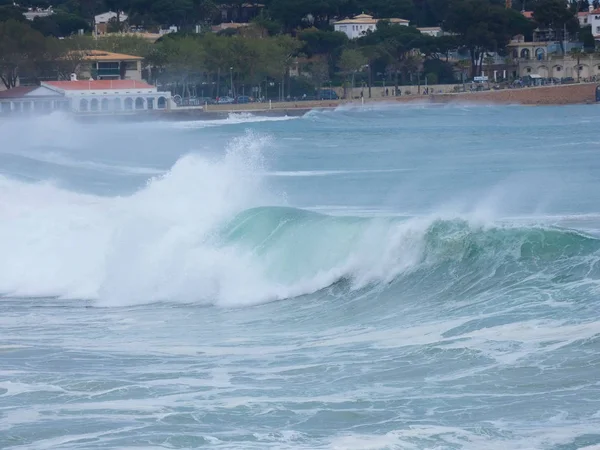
point(11, 13)
point(183, 58)
point(265, 23)
point(483, 27)
point(555, 14)
point(279, 56)
point(218, 57)
point(20, 48)
point(442, 69)
point(404, 9)
point(350, 63)
point(328, 44)
point(318, 68)
point(60, 24)
point(586, 36)
point(395, 44)
point(293, 14)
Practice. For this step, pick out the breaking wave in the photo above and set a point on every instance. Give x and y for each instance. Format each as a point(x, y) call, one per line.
point(209, 231)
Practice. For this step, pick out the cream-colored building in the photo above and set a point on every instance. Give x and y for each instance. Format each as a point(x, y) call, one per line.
point(586, 67)
point(101, 65)
point(359, 26)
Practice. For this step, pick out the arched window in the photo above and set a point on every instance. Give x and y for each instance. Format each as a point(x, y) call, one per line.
point(117, 104)
point(525, 53)
point(162, 103)
point(94, 104)
point(83, 105)
point(104, 104)
point(128, 103)
point(540, 54)
point(139, 103)
point(150, 103)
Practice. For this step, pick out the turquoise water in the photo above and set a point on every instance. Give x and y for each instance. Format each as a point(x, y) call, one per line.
point(422, 277)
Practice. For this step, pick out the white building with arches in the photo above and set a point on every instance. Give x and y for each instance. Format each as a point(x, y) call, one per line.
point(110, 96)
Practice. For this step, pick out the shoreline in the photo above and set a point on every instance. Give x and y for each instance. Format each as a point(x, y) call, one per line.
point(571, 94)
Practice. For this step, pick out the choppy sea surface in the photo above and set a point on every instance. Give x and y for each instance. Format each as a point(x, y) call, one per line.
point(390, 277)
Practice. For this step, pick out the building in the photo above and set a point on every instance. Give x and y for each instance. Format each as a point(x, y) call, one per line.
point(240, 13)
point(228, 26)
point(586, 67)
point(101, 21)
point(85, 97)
point(592, 19)
point(101, 65)
point(361, 24)
point(32, 99)
point(32, 13)
point(432, 31)
point(110, 95)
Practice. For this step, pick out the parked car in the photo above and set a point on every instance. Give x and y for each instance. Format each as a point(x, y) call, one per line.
point(225, 100)
point(244, 99)
point(328, 94)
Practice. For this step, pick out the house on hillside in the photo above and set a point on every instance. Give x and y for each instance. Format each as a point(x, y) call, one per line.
point(591, 18)
point(359, 26)
point(432, 31)
point(101, 21)
point(32, 13)
point(228, 26)
point(243, 13)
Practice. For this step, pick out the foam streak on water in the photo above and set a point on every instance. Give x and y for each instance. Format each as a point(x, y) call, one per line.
point(351, 279)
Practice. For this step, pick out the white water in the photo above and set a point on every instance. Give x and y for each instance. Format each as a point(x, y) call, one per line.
point(442, 333)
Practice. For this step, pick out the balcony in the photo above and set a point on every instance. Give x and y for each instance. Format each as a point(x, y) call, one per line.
point(104, 72)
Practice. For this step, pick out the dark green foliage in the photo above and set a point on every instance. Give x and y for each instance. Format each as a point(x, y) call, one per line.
point(11, 13)
point(483, 27)
point(554, 14)
point(60, 24)
point(586, 36)
point(443, 71)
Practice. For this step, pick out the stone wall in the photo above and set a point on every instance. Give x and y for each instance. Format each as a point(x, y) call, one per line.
point(545, 95)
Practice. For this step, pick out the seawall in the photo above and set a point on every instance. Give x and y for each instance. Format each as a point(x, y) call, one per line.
point(569, 94)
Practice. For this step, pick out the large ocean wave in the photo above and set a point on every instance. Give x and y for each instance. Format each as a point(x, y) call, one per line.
point(210, 231)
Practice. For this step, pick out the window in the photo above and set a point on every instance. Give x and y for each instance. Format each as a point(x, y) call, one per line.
point(597, 29)
point(529, 70)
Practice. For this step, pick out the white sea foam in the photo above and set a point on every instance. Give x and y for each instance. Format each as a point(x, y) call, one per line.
point(232, 119)
point(159, 243)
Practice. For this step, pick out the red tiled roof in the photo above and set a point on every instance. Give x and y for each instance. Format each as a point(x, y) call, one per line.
point(582, 14)
point(595, 11)
point(17, 92)
point(528, 14)
point(82, 85)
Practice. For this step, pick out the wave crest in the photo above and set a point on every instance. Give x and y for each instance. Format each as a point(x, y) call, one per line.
point(201, 233)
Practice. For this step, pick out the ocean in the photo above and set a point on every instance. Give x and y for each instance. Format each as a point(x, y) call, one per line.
point(377, 277)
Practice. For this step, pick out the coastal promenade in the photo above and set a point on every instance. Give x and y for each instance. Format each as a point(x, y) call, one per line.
point(581, 93)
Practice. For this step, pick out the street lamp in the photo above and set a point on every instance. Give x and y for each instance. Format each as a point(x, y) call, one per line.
point(231, 77)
